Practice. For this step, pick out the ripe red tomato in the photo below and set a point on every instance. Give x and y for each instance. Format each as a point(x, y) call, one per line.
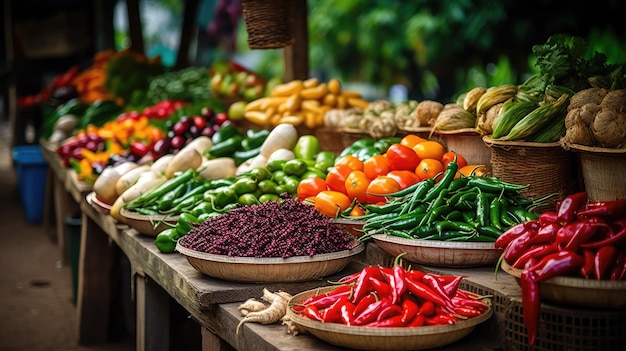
point(356, 186)
point(310, 187)
point(336, 178)
point(380, 186)
point(404, 178)
point(402, 157)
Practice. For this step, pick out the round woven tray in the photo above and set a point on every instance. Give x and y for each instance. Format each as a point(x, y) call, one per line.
point(602, 171)
point(148, 225)
point(268, 23)
point(546, 167)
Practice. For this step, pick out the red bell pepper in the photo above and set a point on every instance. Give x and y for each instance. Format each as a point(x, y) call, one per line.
point(604, 259)
point(568, 207)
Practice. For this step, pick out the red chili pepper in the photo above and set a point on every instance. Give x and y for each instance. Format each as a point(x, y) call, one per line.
point(362, 287)
point(536, 252)
point(325, 300)
point(349, 279)
point(618, 266)
point(605, 208)
point(547, 217)
point(427, 309)
point(584, 233)
point(366, 301)
point(418, 321)
point(397, 284)
point(515, 231)
point(371, 312)
point(545, 234)
point(382, 289)
point(346, 312)
point(615, 236)
point(556, 264)
point(414, 275)
point(410, 309)
point(389, 311)
point(392, 322)
point(622, 275)
point(517, 247)
point(452, 286)
point(473, 303)
point(421, 291)
point(434, 285)
point(531, 304)
point(568, 207)
point(466, 311)
point(588, 268)
point(604, 259)
point(332, 314)
point(441, 319)
point(313, 313)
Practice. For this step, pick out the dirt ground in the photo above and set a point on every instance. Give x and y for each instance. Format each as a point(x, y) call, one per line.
point(36, 299)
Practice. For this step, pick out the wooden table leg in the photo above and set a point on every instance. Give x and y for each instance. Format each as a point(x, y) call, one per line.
point(64, 206)
point(153, 315)
point(94, 283)
point(212, 342)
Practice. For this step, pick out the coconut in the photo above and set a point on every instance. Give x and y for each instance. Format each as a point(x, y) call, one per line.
point(615, 100)
point(586, 96)
point(609, 128)
point(427, 111)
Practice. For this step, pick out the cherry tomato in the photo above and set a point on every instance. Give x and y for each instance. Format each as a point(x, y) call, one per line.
point(379, 186)
point(404, 178)
point(330, 203)
point(375, 166)
point(351, 161)
point(310, 187)
point(402, 157)
point(449, 156)
point(336, 178)
point(356, 186)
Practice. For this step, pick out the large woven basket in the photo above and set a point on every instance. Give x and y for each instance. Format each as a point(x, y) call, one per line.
point(602, 171)
point(546, 167)
point(469, 143)
point(268, 23)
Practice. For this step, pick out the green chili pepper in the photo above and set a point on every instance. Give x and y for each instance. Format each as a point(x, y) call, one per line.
point(482, 209)
point(241, 156)
point(494, 185)
point(244, 185)
point(166, 240)
point(489, 231)
point(443, 183)
point(166, 201)
point(254, 139)
point(505, 217)
point(225, 148)
point(185, 223)
point(227, 131)
point(421, 232)
point(186, 205)
point(494, 213)
point(202, 207)
point(203, 217)
point(164, 188)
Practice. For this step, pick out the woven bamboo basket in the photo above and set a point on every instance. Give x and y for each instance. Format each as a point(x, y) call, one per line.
point(469, 143)
point(268, 23)
point(546, 167)
point(602, 171)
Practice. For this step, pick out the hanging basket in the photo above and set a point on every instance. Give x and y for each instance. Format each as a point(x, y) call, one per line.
point(268, 23)
point(546, 167)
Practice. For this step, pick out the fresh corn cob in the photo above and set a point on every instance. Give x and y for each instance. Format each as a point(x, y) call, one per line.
point(495, 95)
point(552, 132)
point(538, 119)
point(471, 98)
point(512, 112)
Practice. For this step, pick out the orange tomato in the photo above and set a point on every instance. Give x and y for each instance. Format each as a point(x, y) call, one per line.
point(380, 186)
point(375, 166)
point(356, 186)
point(310, 187)
point(336, 177)
point(449, 157)
point(429, 149)
point(330, 203)
point(476, 170)
point(351, 161)
point(357, 211)
point(402, 157)
point(404, 178)
point(411, 140)
point(429, 168)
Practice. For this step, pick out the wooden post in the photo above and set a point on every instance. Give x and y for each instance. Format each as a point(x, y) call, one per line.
point(135, 33)
point(297, 55)
point(153, 315)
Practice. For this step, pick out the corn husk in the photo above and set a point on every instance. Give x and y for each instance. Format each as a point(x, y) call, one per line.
point(511, 113)
point(470, 101)
point(609, 128)
point(538, 119)
point(427, 111)
point(454, 117)
point(615, 100)
point(495, 95)
point(586, 96)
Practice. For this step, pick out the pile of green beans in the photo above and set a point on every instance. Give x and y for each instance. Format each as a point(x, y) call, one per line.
point(466, 208)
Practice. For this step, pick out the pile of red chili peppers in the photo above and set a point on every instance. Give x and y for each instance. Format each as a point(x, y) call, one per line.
point(394, 297)
point(581, 239)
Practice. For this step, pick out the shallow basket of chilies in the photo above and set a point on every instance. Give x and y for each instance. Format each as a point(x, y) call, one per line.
point(268, 23)
point(602, 171)
point(546, 167)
